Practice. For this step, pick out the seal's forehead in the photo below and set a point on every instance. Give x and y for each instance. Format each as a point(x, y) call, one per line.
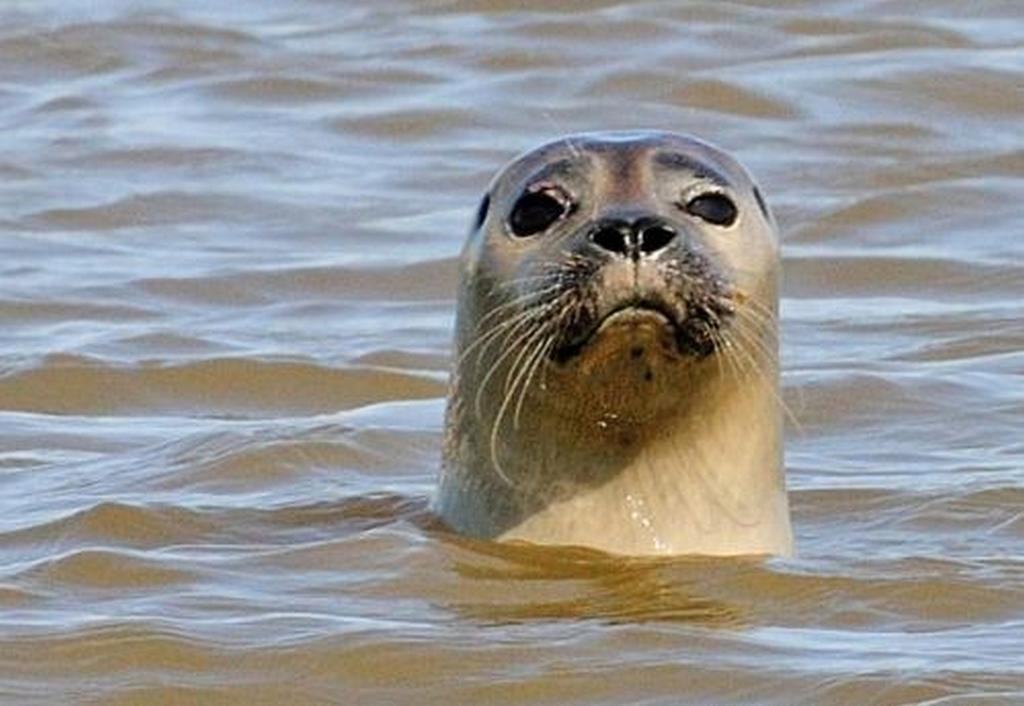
point(667, 150)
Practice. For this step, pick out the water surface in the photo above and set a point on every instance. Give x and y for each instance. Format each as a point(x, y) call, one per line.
point(227, 263)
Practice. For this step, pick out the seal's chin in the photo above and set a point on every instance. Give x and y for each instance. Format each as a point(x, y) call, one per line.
point(635, 323)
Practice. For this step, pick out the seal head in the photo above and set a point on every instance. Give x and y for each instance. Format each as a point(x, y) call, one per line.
point(615, 378)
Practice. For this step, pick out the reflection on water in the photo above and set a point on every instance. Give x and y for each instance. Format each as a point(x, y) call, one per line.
point(228, 240)
point(519, 583)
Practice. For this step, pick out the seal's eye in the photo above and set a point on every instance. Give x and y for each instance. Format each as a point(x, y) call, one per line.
point(537, 210)
point(712, 207)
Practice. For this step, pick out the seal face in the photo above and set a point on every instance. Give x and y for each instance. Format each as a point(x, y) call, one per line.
point(616, 354)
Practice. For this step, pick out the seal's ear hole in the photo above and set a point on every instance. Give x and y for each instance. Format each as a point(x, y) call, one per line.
point(536, 211)
point(481, 212)
point(712, 207)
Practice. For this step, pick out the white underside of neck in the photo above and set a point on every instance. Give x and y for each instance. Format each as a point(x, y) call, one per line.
point(667, 504)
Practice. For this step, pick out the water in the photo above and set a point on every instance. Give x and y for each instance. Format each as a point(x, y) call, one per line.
point(227, 264)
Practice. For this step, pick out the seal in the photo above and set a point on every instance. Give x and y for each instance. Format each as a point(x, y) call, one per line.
point(615, 378)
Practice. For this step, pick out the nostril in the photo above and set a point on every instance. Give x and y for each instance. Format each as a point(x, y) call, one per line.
point(633, 239)
point(655, 237)
point(613, 237)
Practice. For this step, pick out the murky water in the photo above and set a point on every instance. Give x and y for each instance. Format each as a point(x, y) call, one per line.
point(227, 242)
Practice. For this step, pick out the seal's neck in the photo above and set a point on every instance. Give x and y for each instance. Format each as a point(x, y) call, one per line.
point(707, 480)
point(711, 483)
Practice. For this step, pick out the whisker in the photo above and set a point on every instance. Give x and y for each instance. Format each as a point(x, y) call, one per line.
point(537, 360)
point(486, 339)
point(524, 300)
point(506, 399)
point(511, 349)
point(747, 342)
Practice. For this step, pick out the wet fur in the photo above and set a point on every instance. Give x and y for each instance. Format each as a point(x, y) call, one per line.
point(571, 390)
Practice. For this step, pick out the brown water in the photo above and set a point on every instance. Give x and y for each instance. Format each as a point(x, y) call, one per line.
point(227, 241)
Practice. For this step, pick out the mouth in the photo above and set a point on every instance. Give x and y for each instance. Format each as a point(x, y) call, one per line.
point(636, 315)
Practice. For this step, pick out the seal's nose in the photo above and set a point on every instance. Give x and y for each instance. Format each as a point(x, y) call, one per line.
point(633, 239)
